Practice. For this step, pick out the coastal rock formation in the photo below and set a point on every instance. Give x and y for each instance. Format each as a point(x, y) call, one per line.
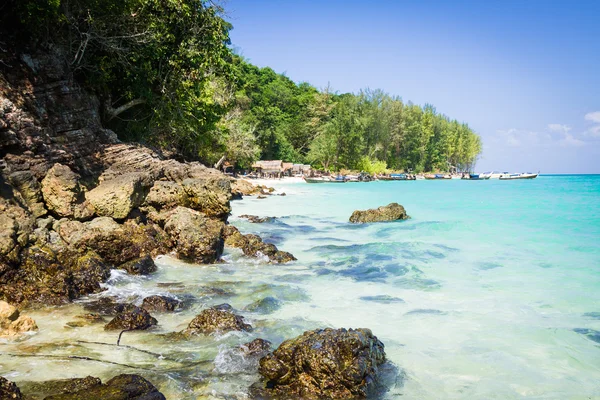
point(196, 237)
point(219, 319)
point(121, 387)
point(265, 305)
point(8, 390)
point(160, 303)
point(253, 246)
point(133, 319)
point(324, 363)
point(12, 323)
point(391, 212)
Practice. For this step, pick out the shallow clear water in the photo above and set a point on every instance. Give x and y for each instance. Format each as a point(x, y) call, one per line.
point(490, 290)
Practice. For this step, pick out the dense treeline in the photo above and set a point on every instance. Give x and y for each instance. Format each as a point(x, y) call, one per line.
point(166, 76)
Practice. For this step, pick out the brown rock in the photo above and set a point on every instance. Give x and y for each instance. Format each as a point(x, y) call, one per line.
point(139, 266)
point(391, 212)
point(12, 323)
point(160, 303)
point(257, 346)
point(197, 238)
point(324, 363)
point(121, 387)
point(63, 195)
point(116, 198)
point(216, 320)
point(135, 319)
point(8, 390)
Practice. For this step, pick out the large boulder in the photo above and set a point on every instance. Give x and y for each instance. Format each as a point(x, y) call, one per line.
point(219, 319)
point(133, 319)
point(29, 188)
point(197, 238)
point(50, 277)
point(116, 243)
point(8, 390)
point(12, 323)
point(121, 387)
point(391, 212)
point(63, 195)
point(118, 196)
point(324, 363)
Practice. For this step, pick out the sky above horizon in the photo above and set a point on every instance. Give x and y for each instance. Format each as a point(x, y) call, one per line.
point(525, 75)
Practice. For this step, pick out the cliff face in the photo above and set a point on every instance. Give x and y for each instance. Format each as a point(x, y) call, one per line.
point(74, 202)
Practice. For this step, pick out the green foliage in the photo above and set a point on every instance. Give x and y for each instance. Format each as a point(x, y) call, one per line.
point(166, 76)
point(372, 166)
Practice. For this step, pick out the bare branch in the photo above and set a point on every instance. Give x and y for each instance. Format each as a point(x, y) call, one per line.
point(113, 112)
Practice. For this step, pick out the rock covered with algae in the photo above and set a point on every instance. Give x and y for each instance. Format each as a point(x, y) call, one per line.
point(322, 363)
point(391, 212)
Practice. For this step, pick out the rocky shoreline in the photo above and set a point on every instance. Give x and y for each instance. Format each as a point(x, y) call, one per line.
point(76, 203)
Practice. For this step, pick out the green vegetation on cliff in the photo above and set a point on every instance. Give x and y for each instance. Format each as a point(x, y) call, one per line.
point(166, 76)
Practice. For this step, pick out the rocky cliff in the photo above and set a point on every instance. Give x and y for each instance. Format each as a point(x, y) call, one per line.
point(75, 202)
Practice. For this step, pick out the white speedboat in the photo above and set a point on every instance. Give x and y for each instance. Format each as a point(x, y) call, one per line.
point(497, 175)
point(523, 175)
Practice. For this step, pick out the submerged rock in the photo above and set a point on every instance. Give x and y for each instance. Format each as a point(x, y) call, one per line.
point(133, 319)
point(391, 212)
point(8, 390)
point(107, 306)
point(139, 266)
point(121, 387)
point(266, 305)
point(218, 319)
point(324, 363)
point(256, 219)
point(160, 303)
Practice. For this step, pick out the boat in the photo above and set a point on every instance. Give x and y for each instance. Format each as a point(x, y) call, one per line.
point(437, 176)
point(398, 177)
point(497, 175)
point(324, 179)
point(523, 175)
point(478, 177)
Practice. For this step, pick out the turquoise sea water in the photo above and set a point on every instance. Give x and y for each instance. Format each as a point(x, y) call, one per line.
point(499, 281)
point(490, 291)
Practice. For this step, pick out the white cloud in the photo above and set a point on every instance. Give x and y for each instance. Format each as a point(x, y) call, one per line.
point(559, 128)
point(571, 141)
point(594, 131)
point(593, 116)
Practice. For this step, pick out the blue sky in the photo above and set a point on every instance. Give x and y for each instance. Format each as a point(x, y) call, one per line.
point(525, 75)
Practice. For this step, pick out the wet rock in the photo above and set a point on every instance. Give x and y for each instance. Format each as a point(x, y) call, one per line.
point(166, 195)
point(219, 319)
point(256, 347)
point(261, 197)
point(85, 320)
point(197, 238)
point(60, 386)
point(391, 212)
point(253, 246)
point(133, 319)
point(116, 197)
point(257, 220)
point(63, 195)
point(324, 363)
point(282, 194)
point(8, 390)
point(139, 266)
point(116, 243)
point(160, 303)
point(121, 387)
point(12, 323)
point(53, 277)
point(265, 305)
point(591, 334)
